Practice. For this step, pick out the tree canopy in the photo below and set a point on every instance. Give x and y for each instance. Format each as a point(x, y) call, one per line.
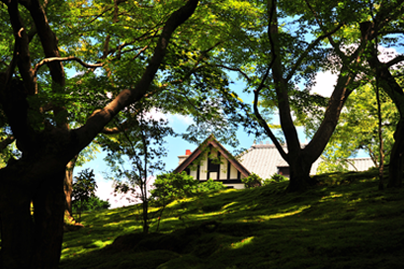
point(71, 70)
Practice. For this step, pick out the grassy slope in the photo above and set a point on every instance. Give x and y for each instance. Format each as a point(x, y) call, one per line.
point(343, 223)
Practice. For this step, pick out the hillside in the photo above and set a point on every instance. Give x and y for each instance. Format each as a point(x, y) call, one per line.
point(345, 222)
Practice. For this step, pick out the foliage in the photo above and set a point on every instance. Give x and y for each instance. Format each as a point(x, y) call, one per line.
point(252, 181)
point(210, 185)
point(84, 187)
point(275, 178)
point(92, 204)
point(173, 186)
point(357, 130)
point(245, 227)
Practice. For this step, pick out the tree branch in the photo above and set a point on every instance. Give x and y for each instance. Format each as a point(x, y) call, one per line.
point(257, 91)
point(309, 48)
point(99, 119)
point(320, 24)
point(236, 70)
point(394, 61)
point(63, 59)
point(6, 142)
point(21, 50)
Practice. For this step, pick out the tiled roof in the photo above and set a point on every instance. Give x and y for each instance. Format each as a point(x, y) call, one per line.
point(264, 160)
point(359, 164)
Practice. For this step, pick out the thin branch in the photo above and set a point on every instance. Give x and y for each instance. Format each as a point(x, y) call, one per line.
point(320, 24)
point(257, 91)
point(64, 59)
point(143, 37)
point(236, 70)
point(394, 61)
point(141, 51)
point(6, 142)
point(309, 48)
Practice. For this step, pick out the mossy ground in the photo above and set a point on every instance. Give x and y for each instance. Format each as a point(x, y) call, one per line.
point(344, 222)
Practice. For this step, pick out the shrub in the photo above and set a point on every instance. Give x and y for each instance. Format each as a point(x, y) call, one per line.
point(252, 181)
point(173, 186)
point(210, 186)
point(92, 204)
point(275, 178)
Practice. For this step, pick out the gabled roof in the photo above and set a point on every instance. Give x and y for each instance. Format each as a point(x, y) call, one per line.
point(211, 141)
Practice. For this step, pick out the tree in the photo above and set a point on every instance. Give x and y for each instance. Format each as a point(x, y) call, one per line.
point(143, 147)
point(37, 105)
point(392, 85)
point(287, 57)
point(84, 188)
point(357, 130)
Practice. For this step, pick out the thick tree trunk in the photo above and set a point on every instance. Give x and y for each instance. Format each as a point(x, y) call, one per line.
point(49, 208)
point(396, 166)
point(300, 178)
point(16, 227)
point(31, 239)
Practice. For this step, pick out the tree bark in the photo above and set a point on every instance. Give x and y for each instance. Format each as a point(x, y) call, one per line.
point(68, 185)
point(49, 206)
point(32, 239)
point(396, 167)
point(300, 178)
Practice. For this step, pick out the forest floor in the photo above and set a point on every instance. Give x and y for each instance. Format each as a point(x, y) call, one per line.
point(344, 222)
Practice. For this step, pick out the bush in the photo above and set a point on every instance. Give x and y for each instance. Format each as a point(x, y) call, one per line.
point(252, 181)
point(92, 204)
point(173, 186)
point(275, 178)
point(210, 186)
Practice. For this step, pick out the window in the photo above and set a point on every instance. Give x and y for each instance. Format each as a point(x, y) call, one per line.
point(213, 167)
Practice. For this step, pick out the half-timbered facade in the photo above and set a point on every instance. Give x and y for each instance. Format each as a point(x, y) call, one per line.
point(212, 160)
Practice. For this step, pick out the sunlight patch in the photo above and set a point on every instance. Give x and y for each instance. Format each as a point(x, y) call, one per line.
point(285, 214)
point(242, 243)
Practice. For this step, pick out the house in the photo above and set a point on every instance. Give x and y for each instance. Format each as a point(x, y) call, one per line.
point(212, 160)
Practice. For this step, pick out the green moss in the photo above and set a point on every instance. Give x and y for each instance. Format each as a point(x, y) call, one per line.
point(344, 222)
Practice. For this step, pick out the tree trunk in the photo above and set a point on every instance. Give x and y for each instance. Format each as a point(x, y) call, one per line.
point(300, 178)
point(49, 206)
point(145, 216)
point(31, 240)
point(68, 185)
point(396, 166)
point(16, 227)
